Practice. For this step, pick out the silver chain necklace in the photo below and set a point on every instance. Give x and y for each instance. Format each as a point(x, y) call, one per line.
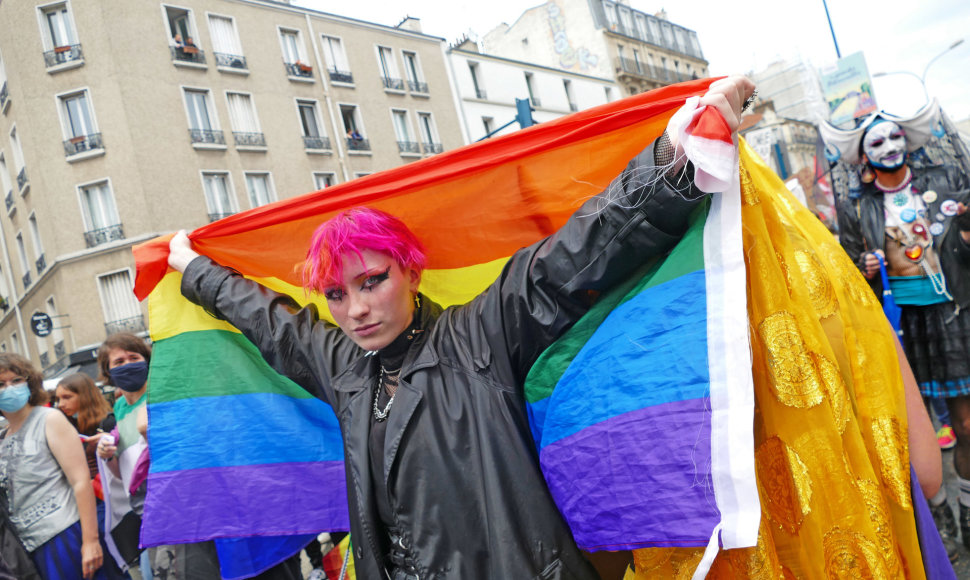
point(380, 414)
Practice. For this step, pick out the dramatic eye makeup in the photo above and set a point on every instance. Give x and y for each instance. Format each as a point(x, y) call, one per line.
point(375, 279)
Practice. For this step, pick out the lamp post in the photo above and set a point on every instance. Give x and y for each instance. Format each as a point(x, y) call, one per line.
point(926, 69)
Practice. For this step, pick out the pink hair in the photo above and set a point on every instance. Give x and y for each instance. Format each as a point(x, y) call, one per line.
point(354, 231)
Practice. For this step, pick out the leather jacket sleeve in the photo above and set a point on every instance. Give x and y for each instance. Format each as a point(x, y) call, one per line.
point(850, 232)
point(548, 286)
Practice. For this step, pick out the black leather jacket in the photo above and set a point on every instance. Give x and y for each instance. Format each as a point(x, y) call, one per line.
point(460, 463)
point(862, 229)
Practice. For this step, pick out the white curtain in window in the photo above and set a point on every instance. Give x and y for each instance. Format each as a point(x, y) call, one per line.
point(78, 116)
point(333, 50)
point(322, 180)
point(18, 153)
point(198, 107)
point(119, 297)
point(59, 25)
point(291, 48)
point(99, 206)
point(388, 66)
point(401, 126)
point(56, 334)
point(22, 251)
point(224, 38)
point(242, 114)
point(257, 184)
point(35, 236)
point(4, 176)
point(411, 66)
point(217, 193)
point(308, 119)
point(427, 128)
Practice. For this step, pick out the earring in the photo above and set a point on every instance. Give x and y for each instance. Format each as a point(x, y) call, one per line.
point(417, 301)
point(867, 175)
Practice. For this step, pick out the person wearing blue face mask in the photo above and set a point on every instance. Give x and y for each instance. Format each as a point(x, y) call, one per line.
point(45, 478)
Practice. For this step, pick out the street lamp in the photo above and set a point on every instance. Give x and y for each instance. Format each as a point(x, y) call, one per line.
point(921, 79)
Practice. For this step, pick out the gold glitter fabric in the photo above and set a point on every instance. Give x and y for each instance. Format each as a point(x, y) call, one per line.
point(831, 453)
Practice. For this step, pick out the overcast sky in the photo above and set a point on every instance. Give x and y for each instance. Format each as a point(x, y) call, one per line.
point(748, 35)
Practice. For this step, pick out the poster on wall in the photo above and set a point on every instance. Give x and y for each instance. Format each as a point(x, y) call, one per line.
point(848, 89)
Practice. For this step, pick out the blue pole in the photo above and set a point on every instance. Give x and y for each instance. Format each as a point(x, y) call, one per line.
point(832, 30)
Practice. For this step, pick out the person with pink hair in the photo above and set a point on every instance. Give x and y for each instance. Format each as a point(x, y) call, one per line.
point(430, 400)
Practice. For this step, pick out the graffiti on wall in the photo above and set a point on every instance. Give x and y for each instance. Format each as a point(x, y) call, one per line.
point(569, 57)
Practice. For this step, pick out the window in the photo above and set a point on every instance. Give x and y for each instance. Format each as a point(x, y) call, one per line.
point(5, 181)
point(636, 60)
point(567, 86)
point(323, 180)
point(294, 56)
point(38, 246)
point(180, 26)
point(100, 215)
point(608, 93)
point(22, 254)
point(219, 197)
point(609, 9)
point(389, 73)
point(14, 343)
point(121, 310)
point(337, 65)
point(56, 335)
point(489, 124)
point(202, 120)
point(4, 293)
point(259, 186)
point(476, 83)
point(245, 124)
point(415, 78)
point(78, 125)
point(350, 116)
point(627, 21)
point(4, 94)
point(225, 43)
point(532, 95)
point(18, 160)
point(59, 36)
point(405, 144)
point(313, 137)
point(429, 133)
point(642, 29)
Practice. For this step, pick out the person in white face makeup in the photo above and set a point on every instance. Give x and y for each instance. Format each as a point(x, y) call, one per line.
point(919, 225)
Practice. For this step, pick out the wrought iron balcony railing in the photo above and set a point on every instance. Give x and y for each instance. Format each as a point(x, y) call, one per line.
point(26, 280)
point(341, 76)
point(392, 83)
point(104, 235)
point(481, 94)
point(214, 217)
point(316, 142)
point(230, 60)
point(207, 136)
point(83, 143)
point(358, 144)
point(431, 148)
point(133, 325)
point(418, 87)
point(59, 349)
point(41, 264)
point(408, 147)
point(298, 69)
point(22, 178)
point(8, 199)
point(63, 54)
point(188, 54)
point(3, 96)
point(249, 139)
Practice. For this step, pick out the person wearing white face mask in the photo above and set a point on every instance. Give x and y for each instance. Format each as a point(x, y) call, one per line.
point(918, 224)
point(45, 478)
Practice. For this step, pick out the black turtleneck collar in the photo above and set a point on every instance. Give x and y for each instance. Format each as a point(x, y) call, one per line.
point(392, 356)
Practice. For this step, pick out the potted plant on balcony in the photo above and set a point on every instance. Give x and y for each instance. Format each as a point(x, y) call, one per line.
point(304, 68)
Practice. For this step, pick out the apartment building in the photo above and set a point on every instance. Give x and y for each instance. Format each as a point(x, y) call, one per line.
point(602, 38)
point(125, 120)
point(487, 87)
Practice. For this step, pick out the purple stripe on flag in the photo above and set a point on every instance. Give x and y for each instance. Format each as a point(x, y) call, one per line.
point(202, 504)
point(637, 480)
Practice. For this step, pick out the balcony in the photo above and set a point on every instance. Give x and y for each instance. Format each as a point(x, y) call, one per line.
point(9, 200)
point(341, 76)
point(626, 66)
point(22, 182)
point(432, 148)
point(231, 61)
point(100, 236)
point(4, 97)
point(298, 69)
point(358, 144)
point(187, 54)
point(83, 143)
point(134, 325)
point(63, 55)
point(418, 87)
point(59, 349)
point(45, 360)
point(408, 147)
point(249, 139)
point(481, 94)
point(41, 264)
point(26, 280)
point(391, 84)
point(207, 137)
point(214, 217)
point(316, 142)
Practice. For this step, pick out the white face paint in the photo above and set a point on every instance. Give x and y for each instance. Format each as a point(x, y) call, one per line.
point(885, 146)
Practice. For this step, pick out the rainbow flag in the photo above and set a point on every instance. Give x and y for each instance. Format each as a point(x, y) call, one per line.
point(238, 451)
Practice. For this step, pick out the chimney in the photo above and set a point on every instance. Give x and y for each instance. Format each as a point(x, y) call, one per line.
point(410, 23)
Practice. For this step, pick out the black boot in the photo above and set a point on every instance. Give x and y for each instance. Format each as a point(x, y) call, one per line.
point(947, 526)
point(964, 524)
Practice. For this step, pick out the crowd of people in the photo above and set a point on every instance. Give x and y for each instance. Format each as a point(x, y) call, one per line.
point(73, 479)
